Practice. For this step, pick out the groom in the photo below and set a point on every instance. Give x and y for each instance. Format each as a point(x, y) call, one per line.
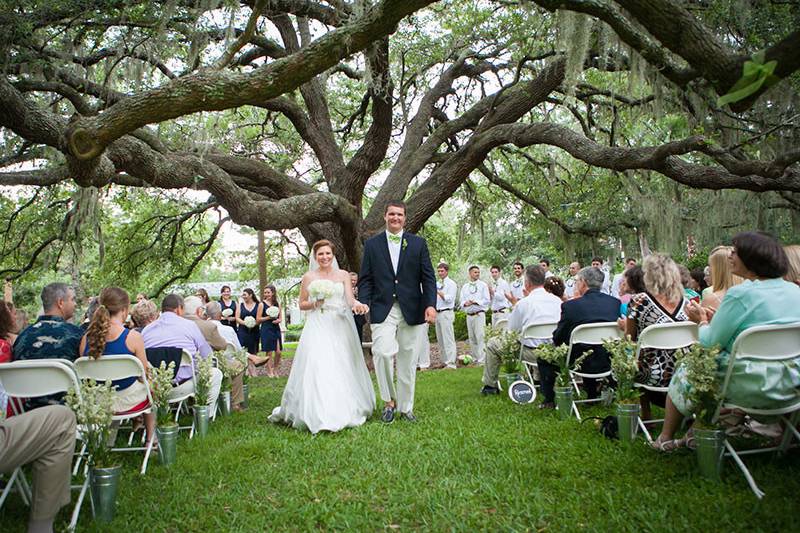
point(398, 285)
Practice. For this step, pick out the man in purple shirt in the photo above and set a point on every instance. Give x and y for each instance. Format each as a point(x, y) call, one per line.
point(171, 330)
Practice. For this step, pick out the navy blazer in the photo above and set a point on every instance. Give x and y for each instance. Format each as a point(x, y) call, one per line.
point(413, 287)
point(592, 307)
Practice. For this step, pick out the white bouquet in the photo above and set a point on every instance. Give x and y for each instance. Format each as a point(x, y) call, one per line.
point(321, 289)
point(227, 313)
point(250, 322)
point(273, 311)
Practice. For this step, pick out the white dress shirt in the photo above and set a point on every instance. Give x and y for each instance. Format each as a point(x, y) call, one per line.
point(394, 249)
point(227, 333)
point(616, 284)
point(478, 292)
point(517, 288)
point(499, 301)
point(538, 307)
point(569, 287)
point(450, 289)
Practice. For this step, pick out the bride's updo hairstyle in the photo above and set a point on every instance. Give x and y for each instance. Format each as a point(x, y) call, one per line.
point(324, 242)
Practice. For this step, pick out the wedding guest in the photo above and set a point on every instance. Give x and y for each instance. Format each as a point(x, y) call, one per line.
point(545, 264)
point(690, 288)
point(555, 286)
point(228, 304)
point(7, 337)
point(662, 302)
point(143, 313)
point(699, 276)
point(632, 283)
point(446, 290)
point(497, 291)
point(763, 298)
point(793, 255)
point(569, 283)
point(475, 301)
point(248, 307)
point(45, 439)
point(589, 307)
point(141, 297)
point(90, 309)
point(615, 290)
point(517, 284)
point(538, 307)
point(20, 320)
point(195, 311)
point(271, 330)
point(360, 320)
point(722, 277)
point(171, 330)
point(214, 314)
point(597, 262)
point(203, 295)
point(52, 336)
point(106, 335)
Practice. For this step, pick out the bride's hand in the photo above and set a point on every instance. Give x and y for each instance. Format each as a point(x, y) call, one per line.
point(360, 309)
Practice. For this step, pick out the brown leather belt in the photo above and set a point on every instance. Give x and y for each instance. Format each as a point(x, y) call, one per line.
point(476, 313)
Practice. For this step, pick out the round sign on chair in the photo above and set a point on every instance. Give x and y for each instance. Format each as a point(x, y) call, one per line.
point(522, 392)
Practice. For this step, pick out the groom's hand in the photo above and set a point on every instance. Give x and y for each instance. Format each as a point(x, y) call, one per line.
point(430, 315)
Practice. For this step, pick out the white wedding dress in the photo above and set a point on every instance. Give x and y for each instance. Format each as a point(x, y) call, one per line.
point(329, 386)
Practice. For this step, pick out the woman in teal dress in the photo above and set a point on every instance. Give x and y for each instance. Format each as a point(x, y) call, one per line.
point(763, 299)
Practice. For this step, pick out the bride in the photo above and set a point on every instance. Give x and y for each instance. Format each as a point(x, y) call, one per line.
point(329, 387)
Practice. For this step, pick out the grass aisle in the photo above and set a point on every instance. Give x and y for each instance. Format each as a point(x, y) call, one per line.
point(471, 463)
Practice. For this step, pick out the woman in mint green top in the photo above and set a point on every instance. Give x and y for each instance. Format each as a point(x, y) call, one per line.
point(763, 299)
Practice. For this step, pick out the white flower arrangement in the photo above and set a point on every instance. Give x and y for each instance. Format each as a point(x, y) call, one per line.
point(227, 313)
point(273, 311)
point(250, 322)
point(321, 289)
point(160, 389)
point(94, 411)
point(230, 364)
point(203, 381)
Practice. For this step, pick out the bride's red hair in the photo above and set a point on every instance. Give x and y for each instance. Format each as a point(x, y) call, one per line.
point(320, 244)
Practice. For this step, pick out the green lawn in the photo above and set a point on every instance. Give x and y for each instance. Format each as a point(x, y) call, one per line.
point(471, 463)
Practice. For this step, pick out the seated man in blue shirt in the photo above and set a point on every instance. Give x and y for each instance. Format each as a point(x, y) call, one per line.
point(51, 336)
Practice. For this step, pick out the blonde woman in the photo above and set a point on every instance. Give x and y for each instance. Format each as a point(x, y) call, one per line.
point(662, 302)
point(793, 254)
point(722, 278)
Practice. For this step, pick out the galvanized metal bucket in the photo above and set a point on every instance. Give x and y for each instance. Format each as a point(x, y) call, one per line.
point(104, 483)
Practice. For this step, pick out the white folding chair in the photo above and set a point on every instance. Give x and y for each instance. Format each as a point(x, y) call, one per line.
point(778, 344)
point(115, 367)
point(593, 335)
point(31, 379)
point(501, 323)
point(672, 336)
point(535, 332)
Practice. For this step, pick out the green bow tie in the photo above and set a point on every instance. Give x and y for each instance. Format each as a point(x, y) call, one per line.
point(394, 238)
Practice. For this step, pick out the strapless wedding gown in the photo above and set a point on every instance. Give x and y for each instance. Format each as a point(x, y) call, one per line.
point(329, 386)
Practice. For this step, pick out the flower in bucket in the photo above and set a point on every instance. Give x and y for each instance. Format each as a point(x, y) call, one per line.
point(273, 311)
point(160, 389)
point(227, 313)
point(624, 368)
point(250, 322)
point(558, 355)
point(230, 364)
point(506, 344)
point(203, 381)
point(700, 365)
point(94, 411)
point(321, 289)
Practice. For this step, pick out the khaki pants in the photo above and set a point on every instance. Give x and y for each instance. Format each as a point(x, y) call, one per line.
point(45, 438)
point(237, 390)
point(446, 337)
point(424, 348)
point(476, 327)
point(491, 369)
point(394, 337)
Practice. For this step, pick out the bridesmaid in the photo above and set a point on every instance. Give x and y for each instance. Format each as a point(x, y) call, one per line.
point(271, 330)
point(226, 302)
point(248, 306)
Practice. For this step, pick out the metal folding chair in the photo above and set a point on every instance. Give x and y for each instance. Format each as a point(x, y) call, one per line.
point(30, 379)
point(592, 334)
point(114, 367)
point(672, 336)
point(778, 344)
point(535, 332)
point(179, 399)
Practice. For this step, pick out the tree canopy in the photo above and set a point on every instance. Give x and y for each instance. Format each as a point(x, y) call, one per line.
point(598, 117)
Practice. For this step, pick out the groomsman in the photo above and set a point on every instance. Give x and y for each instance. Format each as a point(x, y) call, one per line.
point(475, 301)
point(498, 290)
point(545, 264)
point(446, 290)
point(517, 291)
point(569, 284)
point(597, 262)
